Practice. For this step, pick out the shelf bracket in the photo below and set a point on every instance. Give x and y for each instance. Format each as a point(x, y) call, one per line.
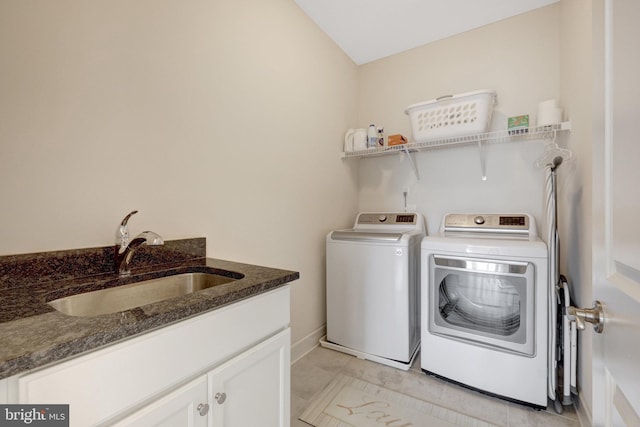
point(483, 161)
point(414, 166)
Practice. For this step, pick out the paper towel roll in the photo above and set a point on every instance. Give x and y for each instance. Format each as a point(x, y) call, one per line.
point(549, 116)
point(550, 103)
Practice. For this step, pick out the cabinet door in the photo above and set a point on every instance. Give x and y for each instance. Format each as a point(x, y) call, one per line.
point(186, 406)
point(253, 388)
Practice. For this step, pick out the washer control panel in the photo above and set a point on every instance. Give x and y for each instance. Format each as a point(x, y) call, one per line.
point(487, 223)
point(388, 218)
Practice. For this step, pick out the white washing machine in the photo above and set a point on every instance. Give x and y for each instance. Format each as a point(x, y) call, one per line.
point(373, 288)
point(484, 305)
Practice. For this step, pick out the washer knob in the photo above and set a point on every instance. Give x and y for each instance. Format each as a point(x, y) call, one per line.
point(479, 220)
point(382, 218)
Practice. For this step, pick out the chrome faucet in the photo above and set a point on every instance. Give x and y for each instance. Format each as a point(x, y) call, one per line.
point(125, 247)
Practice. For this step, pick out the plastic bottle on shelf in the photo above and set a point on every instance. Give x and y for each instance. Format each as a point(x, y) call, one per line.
point(380, 137)
point(372, 136)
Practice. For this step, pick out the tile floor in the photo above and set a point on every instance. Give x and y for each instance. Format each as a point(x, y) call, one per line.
point(312, 373)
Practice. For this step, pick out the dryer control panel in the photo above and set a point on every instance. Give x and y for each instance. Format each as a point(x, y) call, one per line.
point(488, 223)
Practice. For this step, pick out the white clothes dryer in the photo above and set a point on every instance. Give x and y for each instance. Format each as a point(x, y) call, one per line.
point(484, 305)
point(373, 288)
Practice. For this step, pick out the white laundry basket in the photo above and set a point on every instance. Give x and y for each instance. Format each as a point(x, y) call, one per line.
point(452, 115)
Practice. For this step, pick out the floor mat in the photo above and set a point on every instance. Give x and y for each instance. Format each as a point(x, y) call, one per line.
point(347, 401)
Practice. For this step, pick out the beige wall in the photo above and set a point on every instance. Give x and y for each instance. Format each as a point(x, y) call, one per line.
point(219, 119)
point(517, 57)
point(575, 220)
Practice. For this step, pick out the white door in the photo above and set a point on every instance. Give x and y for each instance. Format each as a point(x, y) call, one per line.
point(616, 215)
point(253, 389)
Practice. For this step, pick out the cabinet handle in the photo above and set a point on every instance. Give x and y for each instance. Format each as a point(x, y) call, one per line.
point(203, 408)
point(220, 398)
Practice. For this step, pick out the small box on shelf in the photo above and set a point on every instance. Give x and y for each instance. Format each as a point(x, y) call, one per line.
point(518, 125)
point(396, 139)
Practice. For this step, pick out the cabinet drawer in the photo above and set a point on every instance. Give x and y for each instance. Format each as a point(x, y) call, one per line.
point(118, 378)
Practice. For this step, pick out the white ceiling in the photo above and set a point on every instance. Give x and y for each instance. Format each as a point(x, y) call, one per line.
point(372, 29)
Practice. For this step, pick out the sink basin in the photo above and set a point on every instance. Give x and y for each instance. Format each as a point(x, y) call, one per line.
point(126, 297)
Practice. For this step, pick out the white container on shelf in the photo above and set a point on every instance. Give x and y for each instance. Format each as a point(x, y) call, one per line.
point(372, 137)
point(355, 140)
point(452, 115)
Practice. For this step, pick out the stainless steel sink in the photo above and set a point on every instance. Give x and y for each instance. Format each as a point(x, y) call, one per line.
point(126, 297)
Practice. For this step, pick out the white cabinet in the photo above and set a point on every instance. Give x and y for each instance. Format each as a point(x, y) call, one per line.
point(161, 377)
point(249, 390)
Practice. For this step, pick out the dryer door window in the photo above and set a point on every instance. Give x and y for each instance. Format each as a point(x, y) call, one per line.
point(488, 302)
point(481, 303)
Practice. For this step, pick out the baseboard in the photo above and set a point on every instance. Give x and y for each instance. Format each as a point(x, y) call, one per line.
point(306, 344)
point(584, 417)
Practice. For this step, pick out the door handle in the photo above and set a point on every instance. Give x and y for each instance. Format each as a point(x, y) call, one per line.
point(593, 315)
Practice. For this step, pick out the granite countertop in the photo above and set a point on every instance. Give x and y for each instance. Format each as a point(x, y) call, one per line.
point(33, 334)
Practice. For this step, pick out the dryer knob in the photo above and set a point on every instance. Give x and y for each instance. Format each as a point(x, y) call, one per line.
point(479, 220)
point(382, 218)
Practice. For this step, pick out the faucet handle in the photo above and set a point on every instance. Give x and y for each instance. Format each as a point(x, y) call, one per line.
point(122, 235)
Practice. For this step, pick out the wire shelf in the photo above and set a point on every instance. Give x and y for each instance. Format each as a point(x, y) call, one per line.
point(527, 134)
